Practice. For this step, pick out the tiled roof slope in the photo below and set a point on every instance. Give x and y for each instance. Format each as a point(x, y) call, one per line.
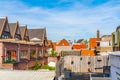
point(1, 22)
point(36, 33)
point(12, 28)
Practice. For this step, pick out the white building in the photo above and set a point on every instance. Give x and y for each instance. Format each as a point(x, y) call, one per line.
point(115, 65)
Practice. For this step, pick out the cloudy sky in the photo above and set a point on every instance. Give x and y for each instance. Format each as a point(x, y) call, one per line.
point(70, 19)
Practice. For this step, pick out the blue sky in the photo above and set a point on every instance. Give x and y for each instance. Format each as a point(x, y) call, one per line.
point(70, 19)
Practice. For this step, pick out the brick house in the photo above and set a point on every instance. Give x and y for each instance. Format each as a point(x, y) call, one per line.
point(17, 50)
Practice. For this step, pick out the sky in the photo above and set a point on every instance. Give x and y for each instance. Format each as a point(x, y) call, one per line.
point(69, 19)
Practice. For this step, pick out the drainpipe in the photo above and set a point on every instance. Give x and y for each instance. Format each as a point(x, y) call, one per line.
point(29, 53)
point(5, 53)
point(42, 55)
point(18, 53)
point(36, 53)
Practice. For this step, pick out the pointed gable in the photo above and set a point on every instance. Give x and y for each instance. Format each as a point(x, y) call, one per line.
point(4, 27)
point(63, 42)
point(37, 33)
point(12, 28)
point(15, 30)
point(24, 33)
point(2, 20)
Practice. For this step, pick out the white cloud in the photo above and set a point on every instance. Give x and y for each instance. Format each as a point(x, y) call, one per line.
point(76, 22)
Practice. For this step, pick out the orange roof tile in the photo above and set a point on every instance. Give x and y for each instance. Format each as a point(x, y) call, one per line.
point(63, 42)
point(88, 53)
point(79, 46)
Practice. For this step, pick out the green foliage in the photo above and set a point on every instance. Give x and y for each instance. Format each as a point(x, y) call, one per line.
point(53, 53)
point(10, 61)
point(86, 42)
point(48, 67)
point(32, 53)
point(37, 66)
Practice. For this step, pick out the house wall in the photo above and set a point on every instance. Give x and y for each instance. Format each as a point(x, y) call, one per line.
point(63, 48)
point(105, 49)
point(1, 52)
point(93, 42)
point(115, 66)
point(4, 47)
point(107, 38)
point(52, 59)
point(105, 43)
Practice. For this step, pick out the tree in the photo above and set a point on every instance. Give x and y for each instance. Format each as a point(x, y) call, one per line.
point(53, 53)
point(86, 42)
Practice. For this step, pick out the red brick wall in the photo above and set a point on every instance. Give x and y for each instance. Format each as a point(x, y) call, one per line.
point(52, 59)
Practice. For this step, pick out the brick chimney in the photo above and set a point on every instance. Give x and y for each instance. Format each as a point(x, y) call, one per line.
point(98, 34)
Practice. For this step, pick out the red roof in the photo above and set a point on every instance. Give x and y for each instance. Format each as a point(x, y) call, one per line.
point(79, 46)
point(63, 42)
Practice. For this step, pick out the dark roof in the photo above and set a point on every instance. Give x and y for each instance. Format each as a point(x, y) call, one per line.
point(12, 28)
point(22, 29)
point(1, 22)
point(106, 35)
point(79, 41)
point(36, 33)
point(118, 28)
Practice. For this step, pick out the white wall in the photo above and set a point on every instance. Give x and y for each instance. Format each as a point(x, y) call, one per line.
point(115, 66)
point(105, 43)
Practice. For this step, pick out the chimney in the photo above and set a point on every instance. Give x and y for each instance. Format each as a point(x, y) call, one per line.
point(98, 34)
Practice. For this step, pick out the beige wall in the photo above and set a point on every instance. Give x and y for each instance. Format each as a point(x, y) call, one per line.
point(107, 38)
point(63, 48)
point(105, 49)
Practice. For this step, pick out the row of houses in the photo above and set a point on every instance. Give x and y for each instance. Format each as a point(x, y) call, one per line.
point(101, 44)
point(20, 46)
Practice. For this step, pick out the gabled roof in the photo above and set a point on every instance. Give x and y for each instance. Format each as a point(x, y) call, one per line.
point(80, 40)
point(4, 25)
point(118, 28)
point(49, 42)
point(14, 28)
point(2, 20)
point(24, 31)
point(94, 39)
point(106, 36)
point(37, 33)
point(79, 46)
point(63, 42)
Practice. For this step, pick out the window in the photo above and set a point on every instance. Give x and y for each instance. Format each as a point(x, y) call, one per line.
point(23, 54)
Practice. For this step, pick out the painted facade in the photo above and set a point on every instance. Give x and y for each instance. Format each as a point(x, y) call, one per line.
point(17, 50)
